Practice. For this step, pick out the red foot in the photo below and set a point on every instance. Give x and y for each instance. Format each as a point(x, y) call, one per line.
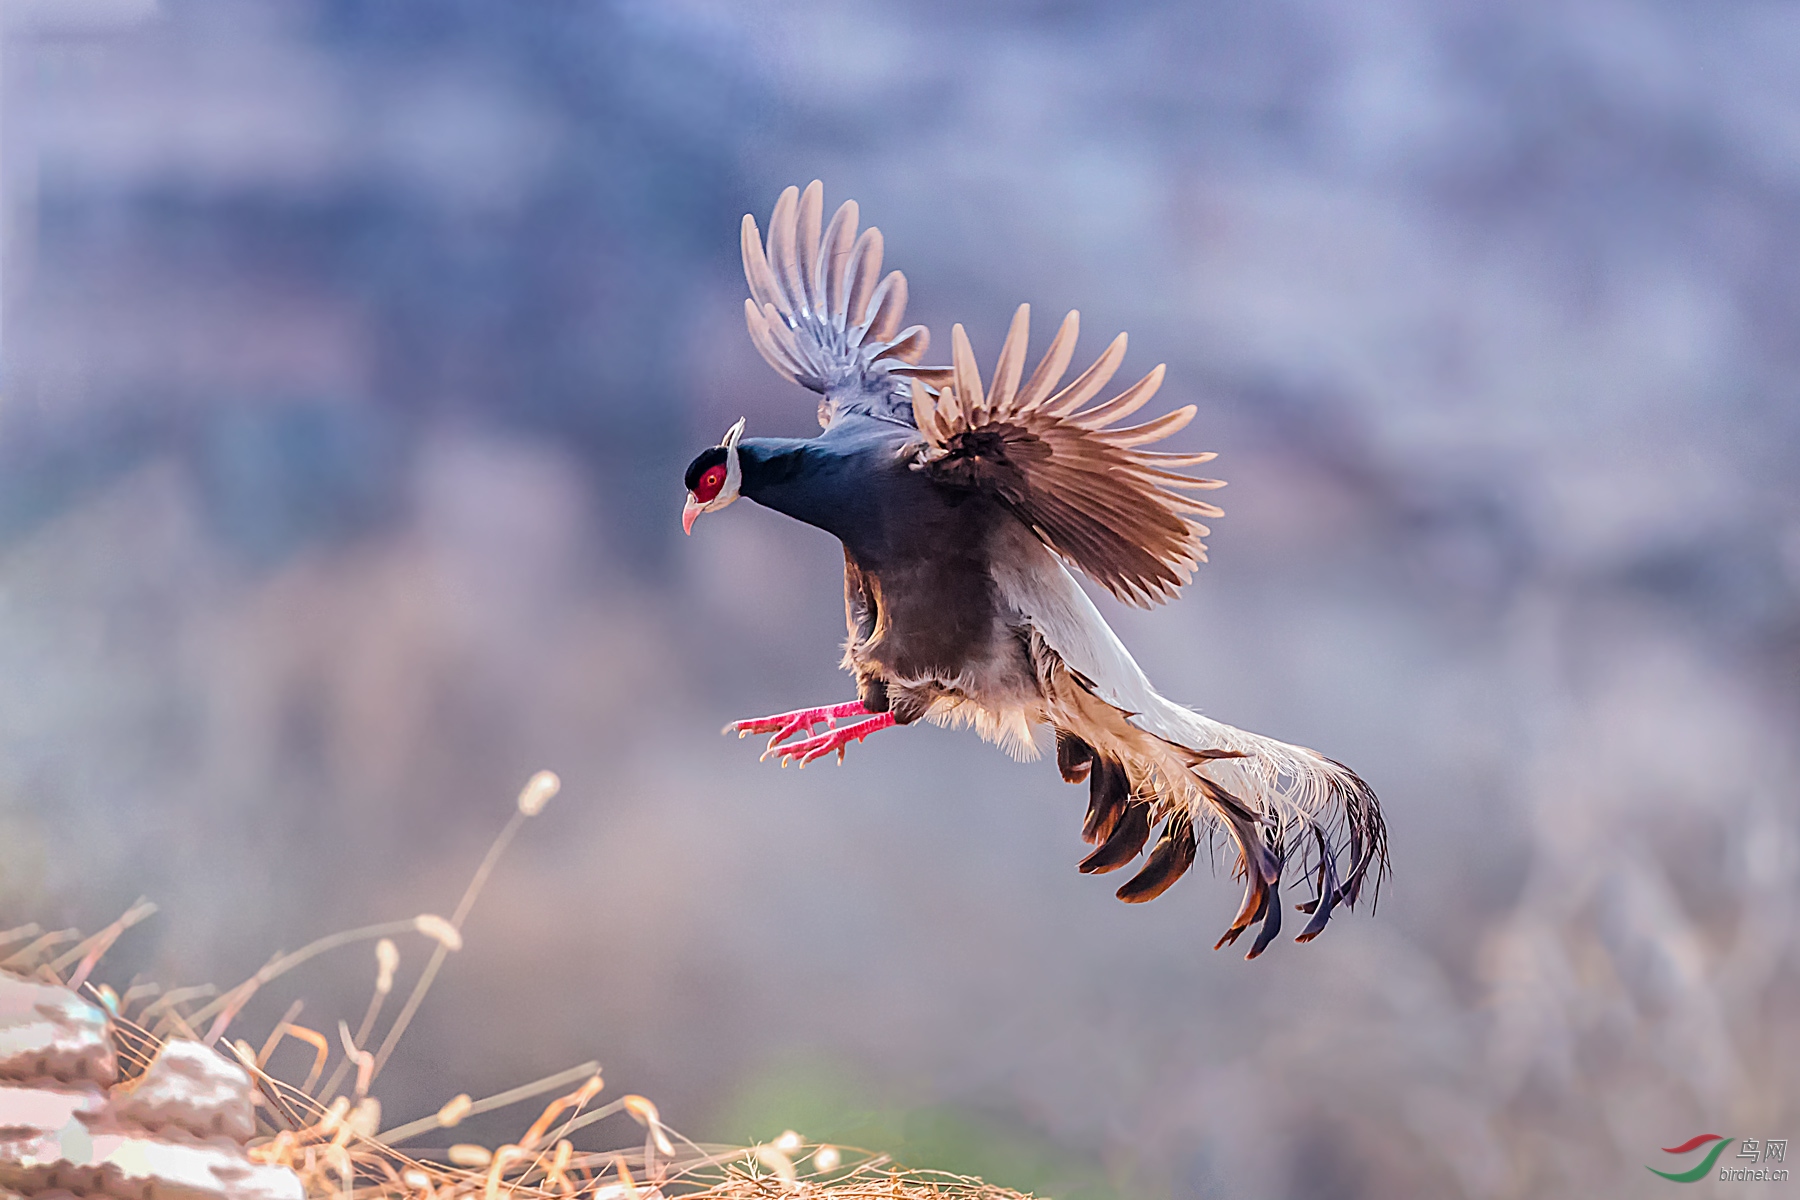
point(802, 720)
point(832, 739)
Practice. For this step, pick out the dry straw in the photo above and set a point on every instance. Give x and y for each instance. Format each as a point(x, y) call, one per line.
point(335, 1142)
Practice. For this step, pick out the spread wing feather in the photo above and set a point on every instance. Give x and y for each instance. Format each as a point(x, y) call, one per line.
point(821, 313)
point(1070, 473)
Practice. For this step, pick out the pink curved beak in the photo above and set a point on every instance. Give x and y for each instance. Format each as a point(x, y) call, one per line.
point(690, 513)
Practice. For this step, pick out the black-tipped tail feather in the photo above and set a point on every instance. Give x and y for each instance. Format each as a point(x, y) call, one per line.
point(1338, 845)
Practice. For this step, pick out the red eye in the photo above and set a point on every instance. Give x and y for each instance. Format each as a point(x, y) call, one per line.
point(710, 483)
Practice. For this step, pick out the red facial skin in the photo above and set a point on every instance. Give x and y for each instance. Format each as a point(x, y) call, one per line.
point(705, 491)
point(710, 483)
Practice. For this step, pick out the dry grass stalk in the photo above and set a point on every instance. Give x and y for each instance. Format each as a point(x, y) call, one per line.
point(334, 1144)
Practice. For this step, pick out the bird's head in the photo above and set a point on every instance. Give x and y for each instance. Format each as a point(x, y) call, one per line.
point(713, 479)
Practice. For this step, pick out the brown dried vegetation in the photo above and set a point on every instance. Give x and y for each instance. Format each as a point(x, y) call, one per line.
point(142, 1095)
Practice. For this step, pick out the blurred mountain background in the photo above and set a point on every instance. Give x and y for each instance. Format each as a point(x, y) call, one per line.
point(350, 356)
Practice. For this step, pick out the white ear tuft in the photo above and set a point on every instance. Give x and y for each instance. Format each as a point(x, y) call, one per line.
point(734, 471)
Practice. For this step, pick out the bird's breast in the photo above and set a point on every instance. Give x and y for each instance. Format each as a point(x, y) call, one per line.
point(937, 608)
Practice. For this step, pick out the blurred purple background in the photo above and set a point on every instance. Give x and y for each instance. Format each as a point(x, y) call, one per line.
point(350, 354)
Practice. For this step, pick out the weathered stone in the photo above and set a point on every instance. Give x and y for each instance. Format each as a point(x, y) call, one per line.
point(28, 1112)
point(175, 1133)
point(191, 1088)
point(133, 1167)
point(49, 1033)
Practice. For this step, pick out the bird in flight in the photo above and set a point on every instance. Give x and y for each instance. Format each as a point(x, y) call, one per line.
point(962, 505)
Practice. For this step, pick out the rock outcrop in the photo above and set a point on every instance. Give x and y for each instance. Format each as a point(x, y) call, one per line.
point(67, 1126)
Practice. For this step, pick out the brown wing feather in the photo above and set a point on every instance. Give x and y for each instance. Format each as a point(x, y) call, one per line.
point(1083, 485)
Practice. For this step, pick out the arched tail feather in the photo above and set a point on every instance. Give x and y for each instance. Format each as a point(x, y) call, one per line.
point(1283, 806)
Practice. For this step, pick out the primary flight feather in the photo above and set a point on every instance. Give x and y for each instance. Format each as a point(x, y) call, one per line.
point(962, 504)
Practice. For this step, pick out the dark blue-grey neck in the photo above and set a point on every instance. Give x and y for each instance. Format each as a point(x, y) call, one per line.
point(856, 481)
point(826, 485)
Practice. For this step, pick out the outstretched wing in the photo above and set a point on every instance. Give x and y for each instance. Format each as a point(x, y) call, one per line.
point(821, 313)
point(1086, 488)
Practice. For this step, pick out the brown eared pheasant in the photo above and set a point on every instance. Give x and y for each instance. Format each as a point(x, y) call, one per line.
point(963, 506)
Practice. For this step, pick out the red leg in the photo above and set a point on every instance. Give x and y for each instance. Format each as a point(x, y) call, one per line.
point(832, 739)
point(801, 720)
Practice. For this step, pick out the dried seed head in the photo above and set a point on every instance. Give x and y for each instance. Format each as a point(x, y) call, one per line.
point(776, 1161)
point(438, 930)
point(788, 1142)
point(332, 1117)
point(455, 1110)
point(646, 1115)
point(538, 791)
point(280, 1150)
point(504, 1157)
point(412, 1177)
point(387, 960)
point(828, 1158)
point(365, 1118)
point(463, 1154)
point(587, 1091)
